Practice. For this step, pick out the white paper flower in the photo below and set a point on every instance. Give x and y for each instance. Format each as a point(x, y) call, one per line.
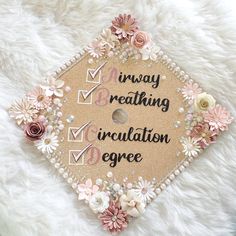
point(23, 112)
point(54, 87)
point(204, 102)
point(108, 39)
point(132, 204)
point(99, 202)
point(149, 51)
point(97, 48)
point(191, 148)
point(48, 143)
point(145, 190)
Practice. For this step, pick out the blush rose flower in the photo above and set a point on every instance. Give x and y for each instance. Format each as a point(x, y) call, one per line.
point(140, 39)
point(34, 130)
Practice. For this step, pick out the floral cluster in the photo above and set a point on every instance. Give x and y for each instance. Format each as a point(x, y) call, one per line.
point(116, 204)
point(125, 39)
point(204, 120)
point(38, 114)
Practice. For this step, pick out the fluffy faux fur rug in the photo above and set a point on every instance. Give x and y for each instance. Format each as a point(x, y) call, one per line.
point(37, 36)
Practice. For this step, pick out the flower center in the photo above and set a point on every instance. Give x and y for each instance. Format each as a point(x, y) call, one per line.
point(114, 218)
point(204, 104)
point(203, 135)
point(40, 98)
point(125, 27)
point(47, 141)
point(144, 190)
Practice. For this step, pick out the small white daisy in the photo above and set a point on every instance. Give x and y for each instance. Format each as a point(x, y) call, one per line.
point(191, 147)
point(145, 190)
point(48, 143)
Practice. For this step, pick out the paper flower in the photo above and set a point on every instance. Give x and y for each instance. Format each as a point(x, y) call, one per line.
point(48, 143)
point(124, 26)
point(203, 134)
point(34, 130)
point(149, 51)
point(218, 118)
point(96, 48)
point(140, 39)
point(203, 102)
point(191, 148)
point(54, 87)
point(132, 204)
point(191, 90)
point(114, 219)
point(39, 98)
point(145, 190)
point(108, 39)
point(99, 202)
point(87, 189)
point(23, 112)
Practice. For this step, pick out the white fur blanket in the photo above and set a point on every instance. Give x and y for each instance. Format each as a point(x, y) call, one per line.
point(37, 36)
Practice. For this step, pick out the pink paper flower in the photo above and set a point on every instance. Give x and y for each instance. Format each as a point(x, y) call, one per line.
point(218, 118)
point(39, 98)
point(114, 219)
point(87, 189)
point(96, 48)
point(124, 26)
point(191, 90)
point(140, 39)
point(23, 112)
point(34, 130)
point(203, 134)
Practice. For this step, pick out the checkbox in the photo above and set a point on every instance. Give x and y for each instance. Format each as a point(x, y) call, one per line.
point(75, 158)
point(82, 99)
point(96, 79)
point(75, 134)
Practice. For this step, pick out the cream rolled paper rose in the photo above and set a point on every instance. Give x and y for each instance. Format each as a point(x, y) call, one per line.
point(99, 202)
point(204, 102)
point(140, 39)
point(132, 204)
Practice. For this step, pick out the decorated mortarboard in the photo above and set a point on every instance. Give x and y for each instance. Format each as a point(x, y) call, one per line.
point(119, 121)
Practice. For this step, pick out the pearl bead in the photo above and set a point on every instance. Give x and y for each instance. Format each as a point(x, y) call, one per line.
point(67, 89)
point(190, 159)
point(109, 174)
point(61, 127)
point(69, 180)
point(186, 163)
point(99, 182)
point(53, 160)
point(172, 177)
point(59, 114)
point(74, 185)
point(116, 187)
point(65, 175)
point(129, 185)
point(181, 168)
point(56, 101)
point(167, 181)
point(61, 170)
point(177, 172)
point(57, 165)
point(181, 110)
point(140, 178)
point(158, 191)
point(163, 186)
